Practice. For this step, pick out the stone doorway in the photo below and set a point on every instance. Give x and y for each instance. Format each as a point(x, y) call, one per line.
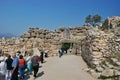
point(67, 47)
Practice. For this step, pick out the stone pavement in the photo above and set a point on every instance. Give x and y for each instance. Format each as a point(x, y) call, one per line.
point(68, 67)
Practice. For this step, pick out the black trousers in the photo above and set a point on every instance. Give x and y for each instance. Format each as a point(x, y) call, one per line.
point(15, 74)
point(46, 55)
point(35, 69)
point(41, 59)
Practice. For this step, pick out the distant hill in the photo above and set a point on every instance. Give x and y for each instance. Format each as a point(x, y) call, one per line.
point(6, 35)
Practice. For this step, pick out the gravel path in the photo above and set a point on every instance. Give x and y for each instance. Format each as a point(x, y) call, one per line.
point(68, 67)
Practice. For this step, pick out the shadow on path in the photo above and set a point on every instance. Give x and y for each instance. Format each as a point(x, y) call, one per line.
point(40, 74)
point(26, 77)
point(40, 66)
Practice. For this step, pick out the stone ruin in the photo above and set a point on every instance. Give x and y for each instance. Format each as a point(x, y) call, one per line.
point(111, 23)
point(44, 39)
point(98, 45)
point(94, 45)
point(99, 48)
point(53, 40)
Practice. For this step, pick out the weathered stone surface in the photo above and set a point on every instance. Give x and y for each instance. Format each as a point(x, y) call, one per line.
point(108, 72)
point(111, 23)
point(116, 72)
point(98, 45)
point(99, 69)
point(114, 60)
point(118, 64)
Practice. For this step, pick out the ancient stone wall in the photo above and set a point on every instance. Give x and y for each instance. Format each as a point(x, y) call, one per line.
point(43, 39)
point(111, 23)
point(93, 44)
point(98, 45)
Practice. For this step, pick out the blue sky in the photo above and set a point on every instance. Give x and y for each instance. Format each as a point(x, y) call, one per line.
point(16, 16)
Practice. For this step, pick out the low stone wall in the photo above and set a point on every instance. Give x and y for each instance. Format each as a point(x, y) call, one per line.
point(98, 45)
point(90, 48)
point(101, 51)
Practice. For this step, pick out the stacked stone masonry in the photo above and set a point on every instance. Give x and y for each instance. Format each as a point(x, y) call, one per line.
point(94, 44)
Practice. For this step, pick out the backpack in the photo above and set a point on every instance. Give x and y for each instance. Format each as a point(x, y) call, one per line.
point(34, 61)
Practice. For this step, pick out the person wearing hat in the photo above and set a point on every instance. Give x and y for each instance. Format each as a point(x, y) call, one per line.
point(2, 68)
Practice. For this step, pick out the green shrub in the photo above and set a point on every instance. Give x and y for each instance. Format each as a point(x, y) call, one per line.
point(66, 46)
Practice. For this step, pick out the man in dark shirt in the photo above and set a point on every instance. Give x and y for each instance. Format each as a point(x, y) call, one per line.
point(9, 67)
point(35, 65)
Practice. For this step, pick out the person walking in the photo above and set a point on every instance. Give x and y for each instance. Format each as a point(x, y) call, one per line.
point(2, 68)
point(29, 64)
point(46, 53)
point(35, 65)
point(42, 57)
point(8, 62)
point(15, 67)
point(60, 52)
point(22, 64)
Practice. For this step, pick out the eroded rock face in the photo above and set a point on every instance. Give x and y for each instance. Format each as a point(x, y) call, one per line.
point(111, 23)
point(98, 45)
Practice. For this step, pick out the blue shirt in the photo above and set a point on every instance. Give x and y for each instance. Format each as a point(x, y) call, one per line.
point(61, 51)
point(15, 62)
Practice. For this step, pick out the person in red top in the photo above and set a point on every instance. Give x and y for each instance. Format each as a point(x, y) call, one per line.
point(22, 63)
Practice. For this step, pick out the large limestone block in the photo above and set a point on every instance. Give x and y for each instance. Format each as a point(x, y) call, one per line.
point(99, 69)
point(114, 60)
point(95, 49)
point(108, 72)
point(95, 62)
point(97, 54)
point(118, 64)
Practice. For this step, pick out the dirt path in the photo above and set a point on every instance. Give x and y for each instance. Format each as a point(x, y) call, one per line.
point(69, 67)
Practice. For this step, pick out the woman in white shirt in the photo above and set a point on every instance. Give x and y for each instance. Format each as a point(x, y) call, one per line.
point(2, 68)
